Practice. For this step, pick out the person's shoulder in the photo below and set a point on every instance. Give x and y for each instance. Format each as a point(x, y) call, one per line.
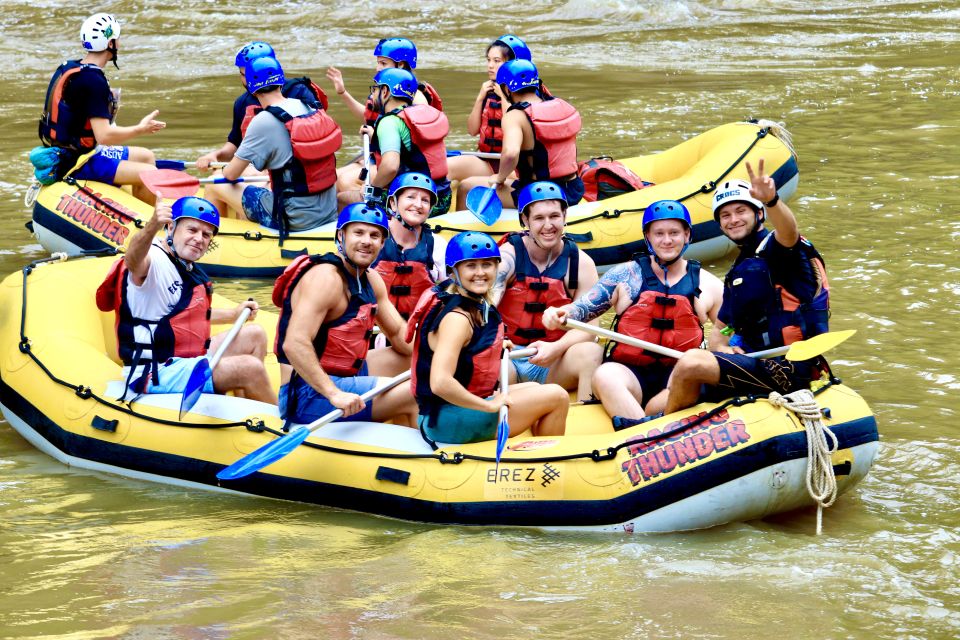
point(709, 279)
point(245, 100)
point(90, 77)
point(295, 107)
point(585, 259)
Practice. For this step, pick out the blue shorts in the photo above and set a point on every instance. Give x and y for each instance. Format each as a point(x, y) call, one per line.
point(174, 374)
point(528, 372)
point(742, 375)
point(258, 205)
point(102, 165)
point(305, 404)
point(451, 424)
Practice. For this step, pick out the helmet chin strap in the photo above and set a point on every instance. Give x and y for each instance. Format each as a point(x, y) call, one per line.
point(113, 54)
point(400, 218)
point(484, 305)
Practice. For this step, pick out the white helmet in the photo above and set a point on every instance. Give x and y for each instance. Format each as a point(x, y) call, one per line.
point(98, 30)
point(735, 191)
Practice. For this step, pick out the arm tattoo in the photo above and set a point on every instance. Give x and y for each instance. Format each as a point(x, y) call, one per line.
point(595, 302)
point(506, 268)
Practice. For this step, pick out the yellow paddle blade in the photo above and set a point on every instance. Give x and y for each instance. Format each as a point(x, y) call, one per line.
point(817, 345)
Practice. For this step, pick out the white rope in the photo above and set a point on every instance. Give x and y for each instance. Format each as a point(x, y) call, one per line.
point(821, 444)
point(779, 130)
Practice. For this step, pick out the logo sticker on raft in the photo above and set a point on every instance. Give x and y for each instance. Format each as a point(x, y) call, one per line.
point(651, 459)
point(526, 482)
point(94, 212)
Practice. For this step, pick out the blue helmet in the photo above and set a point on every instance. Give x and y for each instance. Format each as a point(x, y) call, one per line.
point(667, 210)
point(401, 83)
point(415, 181)
point(198, 208)
point(398, 50)
point(517, 47)
point(518, 74)
point(537, 191)
point(470, 245)
point(264, 72)
point(253, 51)
point(366, 213)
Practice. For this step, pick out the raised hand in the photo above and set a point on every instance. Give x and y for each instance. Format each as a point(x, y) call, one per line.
point(762, 186)
point(149, 125)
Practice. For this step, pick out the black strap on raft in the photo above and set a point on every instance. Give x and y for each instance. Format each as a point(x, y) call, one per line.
point(708, 187)
point(84, 391)
point(256, 425)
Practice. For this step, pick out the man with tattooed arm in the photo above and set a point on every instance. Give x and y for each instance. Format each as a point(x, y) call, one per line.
point(659, 297)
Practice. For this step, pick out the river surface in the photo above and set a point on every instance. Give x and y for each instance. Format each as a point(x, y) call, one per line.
point(871, 93)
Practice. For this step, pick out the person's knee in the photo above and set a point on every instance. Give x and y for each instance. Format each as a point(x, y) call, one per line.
point(585, 355)
point(256, 337)
point(558, 395)
point(695, 364)
point(606, 377)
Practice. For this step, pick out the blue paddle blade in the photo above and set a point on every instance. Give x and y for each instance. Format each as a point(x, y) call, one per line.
point(484, 203)
point(265, 455)
point(176, 165)
point(503, 432)
point(194, 387)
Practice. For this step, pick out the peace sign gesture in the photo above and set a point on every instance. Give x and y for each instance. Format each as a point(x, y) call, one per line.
point(762, 186)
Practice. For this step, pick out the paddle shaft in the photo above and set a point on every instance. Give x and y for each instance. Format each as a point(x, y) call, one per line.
point(366, 397)
point(656, 348)
point(234, 330)
point(504, 381)
point(366, 160)
point(229, 181)
point(477, 154)
point(180, 165)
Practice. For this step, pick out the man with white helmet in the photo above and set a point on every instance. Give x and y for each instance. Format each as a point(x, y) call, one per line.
point(775, 294)
point(79, 111)
point(162, 302)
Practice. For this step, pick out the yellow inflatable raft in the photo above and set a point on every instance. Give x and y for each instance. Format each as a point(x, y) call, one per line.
point(75, 216)
point(702, 467)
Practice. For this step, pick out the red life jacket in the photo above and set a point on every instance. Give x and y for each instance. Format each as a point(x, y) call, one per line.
point(764, 313)
point(59, 127)
point(661, 315)
point(604, 177)
point(491, 127)
point(184, 332)
point(478, 366)
point(406, 272)
point(555, 127)
point(524, 302)
point(341, 344)
point(315, 139)
point(427, 154)
point(303, 89)
point(370, 114)
point(491, 116)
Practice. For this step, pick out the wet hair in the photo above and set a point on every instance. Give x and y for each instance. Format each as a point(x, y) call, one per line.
point(504, 49)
